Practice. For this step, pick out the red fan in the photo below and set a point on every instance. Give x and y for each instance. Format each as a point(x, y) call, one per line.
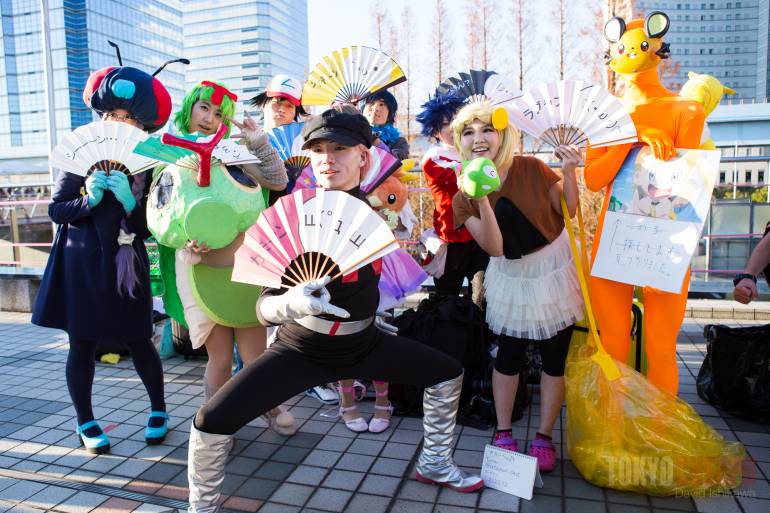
point(311, 234)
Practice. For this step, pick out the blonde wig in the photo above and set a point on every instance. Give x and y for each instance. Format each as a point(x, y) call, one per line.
point(509, 136)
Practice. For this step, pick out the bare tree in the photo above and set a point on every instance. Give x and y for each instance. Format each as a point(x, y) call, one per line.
point(407, 27)
point(588, 59)
point(441, 39)
point(473, 31)
point(379, 15)
point(519, 11)
point(561, 39)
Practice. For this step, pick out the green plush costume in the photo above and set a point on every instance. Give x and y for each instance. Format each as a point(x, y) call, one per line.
point(180, 209)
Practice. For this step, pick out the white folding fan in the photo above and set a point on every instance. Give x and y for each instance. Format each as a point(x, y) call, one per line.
point(310, 234)
point(350, 75)
point(481, 85)
point(573, 112)
point(101, 145)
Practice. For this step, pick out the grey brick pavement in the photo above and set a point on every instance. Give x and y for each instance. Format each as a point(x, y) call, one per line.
point(324, 468)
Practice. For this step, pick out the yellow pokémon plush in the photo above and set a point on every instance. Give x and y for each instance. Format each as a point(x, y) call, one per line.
point(708, 91)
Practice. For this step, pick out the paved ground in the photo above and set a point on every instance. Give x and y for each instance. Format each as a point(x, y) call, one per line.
point(323, 468)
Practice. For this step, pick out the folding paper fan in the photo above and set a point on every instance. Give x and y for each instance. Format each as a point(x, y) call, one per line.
point(287, 140)
point(383, 164)
point(350, 75)
point(104, 145)
point(481, 85)
point(573, 112)
point(154, 148)
point(308, 235)
point(229, 151)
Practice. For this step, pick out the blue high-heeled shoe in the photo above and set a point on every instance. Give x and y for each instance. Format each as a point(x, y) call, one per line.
point(154, 435)
point(98, 444)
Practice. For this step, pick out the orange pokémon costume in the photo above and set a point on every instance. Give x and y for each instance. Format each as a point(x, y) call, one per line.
point(664, 121)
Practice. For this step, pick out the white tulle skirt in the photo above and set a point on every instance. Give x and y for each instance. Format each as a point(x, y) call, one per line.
point(536, 296)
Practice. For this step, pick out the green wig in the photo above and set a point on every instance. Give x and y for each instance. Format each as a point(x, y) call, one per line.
point(205, 91)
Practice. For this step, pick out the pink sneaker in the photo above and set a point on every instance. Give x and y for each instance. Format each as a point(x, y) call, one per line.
point(504, 440)
point(545, 452)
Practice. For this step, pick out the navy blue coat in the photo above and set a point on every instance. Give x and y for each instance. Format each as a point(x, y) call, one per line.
point(79, 293)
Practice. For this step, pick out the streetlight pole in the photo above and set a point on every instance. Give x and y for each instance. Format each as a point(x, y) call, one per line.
point(50, 100)
point(48, 74)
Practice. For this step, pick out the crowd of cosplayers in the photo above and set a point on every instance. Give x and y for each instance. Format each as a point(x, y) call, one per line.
point(221, 222)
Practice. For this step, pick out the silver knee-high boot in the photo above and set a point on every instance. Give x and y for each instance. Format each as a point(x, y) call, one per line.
point(206, 460)
point(435, 464)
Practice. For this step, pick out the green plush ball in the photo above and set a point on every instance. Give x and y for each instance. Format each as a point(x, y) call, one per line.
point(479, 178)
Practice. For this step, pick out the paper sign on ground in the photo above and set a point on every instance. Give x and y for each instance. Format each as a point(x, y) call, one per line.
point(510, 472)
point(655, 218)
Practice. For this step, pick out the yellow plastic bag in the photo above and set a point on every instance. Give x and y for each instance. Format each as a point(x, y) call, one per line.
point(625, 433)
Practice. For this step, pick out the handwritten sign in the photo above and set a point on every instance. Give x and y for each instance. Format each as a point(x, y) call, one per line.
point(229, 151)
point(510, 472)
point(655, 218)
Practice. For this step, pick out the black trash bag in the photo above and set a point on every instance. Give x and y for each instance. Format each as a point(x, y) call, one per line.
point(735, 376)
point(455, 326)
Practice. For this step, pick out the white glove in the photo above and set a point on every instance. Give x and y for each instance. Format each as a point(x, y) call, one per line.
point(385, 327)
point(302, 300)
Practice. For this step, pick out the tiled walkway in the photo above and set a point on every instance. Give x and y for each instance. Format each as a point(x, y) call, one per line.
point(323, 468)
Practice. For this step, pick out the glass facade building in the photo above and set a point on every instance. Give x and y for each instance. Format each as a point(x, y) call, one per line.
point(242, 44)
point(726, 39)
point(148, 33)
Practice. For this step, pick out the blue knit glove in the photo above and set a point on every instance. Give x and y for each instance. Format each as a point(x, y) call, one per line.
point(95, 185)
point(117, 182)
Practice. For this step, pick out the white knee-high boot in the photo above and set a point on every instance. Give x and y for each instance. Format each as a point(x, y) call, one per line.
point(206, 460)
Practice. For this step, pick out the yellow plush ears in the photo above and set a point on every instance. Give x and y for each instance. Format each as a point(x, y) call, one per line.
point(704, 89)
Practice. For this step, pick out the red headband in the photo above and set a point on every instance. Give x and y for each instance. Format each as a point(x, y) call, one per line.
point(219, 92)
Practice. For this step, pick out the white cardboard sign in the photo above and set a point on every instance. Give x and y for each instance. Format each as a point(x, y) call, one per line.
point(510, 472)
point(655, 218)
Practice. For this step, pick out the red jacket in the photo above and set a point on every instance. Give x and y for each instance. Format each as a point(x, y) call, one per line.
point(438, 165)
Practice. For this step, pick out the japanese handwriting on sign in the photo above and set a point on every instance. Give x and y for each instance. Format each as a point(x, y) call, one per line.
point(642, 263)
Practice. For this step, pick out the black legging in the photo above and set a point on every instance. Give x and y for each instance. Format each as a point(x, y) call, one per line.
point(299, 359)
point(463, 260)
point(512, 353)
point(81, 368)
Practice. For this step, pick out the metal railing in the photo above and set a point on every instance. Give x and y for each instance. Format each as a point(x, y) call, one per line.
point(705, 279)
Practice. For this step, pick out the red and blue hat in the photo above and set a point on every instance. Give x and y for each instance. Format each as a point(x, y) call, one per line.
point(124, 87)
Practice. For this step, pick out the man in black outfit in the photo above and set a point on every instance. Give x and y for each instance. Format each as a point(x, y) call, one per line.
point(327, 333)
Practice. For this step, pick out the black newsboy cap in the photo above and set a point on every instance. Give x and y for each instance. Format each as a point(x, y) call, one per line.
point(343, 127)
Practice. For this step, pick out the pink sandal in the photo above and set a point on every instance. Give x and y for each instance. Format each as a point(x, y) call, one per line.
point(504, 440)
point(545, 452)
point(357, 425)
point(377, 424)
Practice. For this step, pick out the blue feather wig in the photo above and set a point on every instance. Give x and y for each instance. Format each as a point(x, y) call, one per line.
point(440, 108)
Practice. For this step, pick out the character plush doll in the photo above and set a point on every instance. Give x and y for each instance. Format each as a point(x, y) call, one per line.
point(708, 91)
point(664, 121)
